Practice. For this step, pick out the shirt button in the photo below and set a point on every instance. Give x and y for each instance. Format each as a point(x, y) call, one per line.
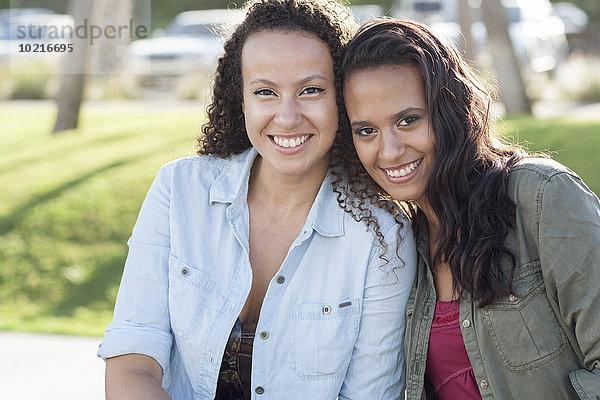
point(466, 323)
point(280, 279)
point(259, 390)
point(512, 297)
point(484, 384)
point(326, 310)
point(264, 335)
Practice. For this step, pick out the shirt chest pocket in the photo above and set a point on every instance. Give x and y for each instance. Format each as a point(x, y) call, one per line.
point(189, 288)
point(523, 327)
point(323, 338)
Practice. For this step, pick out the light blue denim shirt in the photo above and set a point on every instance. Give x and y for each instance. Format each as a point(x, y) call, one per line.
point(334, 312)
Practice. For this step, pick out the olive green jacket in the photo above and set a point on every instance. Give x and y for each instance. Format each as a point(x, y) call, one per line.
point(544, 341)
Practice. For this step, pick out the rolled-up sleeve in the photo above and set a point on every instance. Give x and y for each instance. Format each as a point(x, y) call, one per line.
point(141, 318)
point(376, 370)
point(569, 235)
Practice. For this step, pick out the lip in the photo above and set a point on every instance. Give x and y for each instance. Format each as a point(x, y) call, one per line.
point(405, 178)
point(291, 150)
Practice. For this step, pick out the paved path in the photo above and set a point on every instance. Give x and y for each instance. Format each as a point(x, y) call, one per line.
point(50, 367)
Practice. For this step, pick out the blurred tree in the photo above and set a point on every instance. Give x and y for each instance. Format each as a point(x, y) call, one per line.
point(512, 90)
point(106, 54)
point(465, 20)
point(72, 79)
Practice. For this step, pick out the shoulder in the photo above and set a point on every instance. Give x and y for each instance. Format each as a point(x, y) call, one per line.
point(530, 177)
point(192, 163)
point(388, 223)
point(536, 184)
point(540, 168)
point(201, 168)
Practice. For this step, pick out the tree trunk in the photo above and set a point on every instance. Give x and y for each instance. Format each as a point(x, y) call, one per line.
point(465, 20)
point(105, 56)
point(512, 89)
point(72, 80)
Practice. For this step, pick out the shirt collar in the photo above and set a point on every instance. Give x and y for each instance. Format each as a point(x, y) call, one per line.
point(233, 178)
point(325, 216)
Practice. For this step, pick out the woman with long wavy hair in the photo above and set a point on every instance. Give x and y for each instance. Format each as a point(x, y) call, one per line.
point(506, 302)
point(245, 278)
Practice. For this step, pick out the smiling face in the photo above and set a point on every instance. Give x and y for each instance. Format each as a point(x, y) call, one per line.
point(289, 101)
point(391, 128)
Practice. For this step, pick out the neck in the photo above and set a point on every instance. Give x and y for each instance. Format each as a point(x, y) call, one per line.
point(433, 225)
point(432, 219)
point(282, 193)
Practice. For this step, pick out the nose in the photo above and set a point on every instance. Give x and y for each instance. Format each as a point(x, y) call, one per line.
point(392, 146)
point(288, 114)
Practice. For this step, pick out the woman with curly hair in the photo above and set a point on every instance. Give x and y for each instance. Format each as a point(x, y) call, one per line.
point(506, 300)
point(245, 278)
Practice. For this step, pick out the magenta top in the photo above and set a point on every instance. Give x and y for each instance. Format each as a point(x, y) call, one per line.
point(448, 367)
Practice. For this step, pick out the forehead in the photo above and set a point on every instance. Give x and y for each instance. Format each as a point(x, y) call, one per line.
point(285, 49)
point(387, 86)
point(393, 76)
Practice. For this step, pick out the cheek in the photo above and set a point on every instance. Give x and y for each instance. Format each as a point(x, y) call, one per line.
point(364, 153)
point(326, 116)
point(331, 112)
point(254, 115)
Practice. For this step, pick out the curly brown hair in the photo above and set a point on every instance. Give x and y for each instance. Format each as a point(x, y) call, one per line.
point(225, 132)
point(467, 187)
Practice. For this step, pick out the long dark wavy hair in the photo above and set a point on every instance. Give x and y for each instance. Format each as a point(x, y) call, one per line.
point(225, 133)
point(467, 186)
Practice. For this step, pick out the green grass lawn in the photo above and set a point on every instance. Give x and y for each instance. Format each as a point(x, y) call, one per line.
point(68, 202)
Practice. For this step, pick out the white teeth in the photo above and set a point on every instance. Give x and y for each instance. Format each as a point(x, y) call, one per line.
point(290, 142)
point(394, 173)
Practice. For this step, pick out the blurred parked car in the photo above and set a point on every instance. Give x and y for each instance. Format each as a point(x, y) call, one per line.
point(33, 34)
point(191, 44)
point(537, 35)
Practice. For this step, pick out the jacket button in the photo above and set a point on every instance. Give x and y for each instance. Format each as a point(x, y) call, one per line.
point(466, 323)
point(185, 271)
point(484, 384)
point(280, 279)
point(264, 335)
point(326, 310)
point(512, 297)
point(259, 390)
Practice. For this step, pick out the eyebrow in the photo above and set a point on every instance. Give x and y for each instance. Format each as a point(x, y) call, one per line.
point(408, 110)
point(394, 117)
point(301, 82)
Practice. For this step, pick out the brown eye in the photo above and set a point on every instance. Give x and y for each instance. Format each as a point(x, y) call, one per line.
point(312, 90)
point(365, 131)
point(264, 92)
point(406, 121)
